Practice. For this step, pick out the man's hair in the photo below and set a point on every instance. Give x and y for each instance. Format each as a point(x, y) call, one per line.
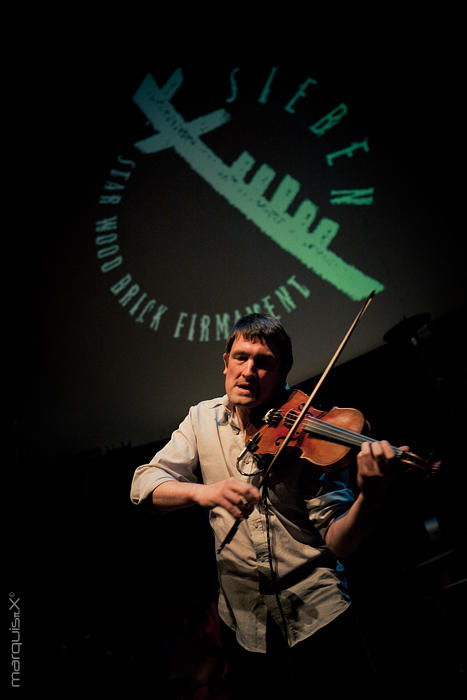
point(270, 330)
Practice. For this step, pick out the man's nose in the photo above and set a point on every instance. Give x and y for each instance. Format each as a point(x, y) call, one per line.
point(249, 368)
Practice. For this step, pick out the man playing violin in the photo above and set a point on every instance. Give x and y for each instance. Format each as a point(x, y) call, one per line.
point(283, 592)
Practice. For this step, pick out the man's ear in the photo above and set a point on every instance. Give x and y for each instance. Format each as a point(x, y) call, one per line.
point(225, 357)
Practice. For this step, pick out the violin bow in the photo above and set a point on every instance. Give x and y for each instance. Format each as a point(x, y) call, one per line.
point(304, 410)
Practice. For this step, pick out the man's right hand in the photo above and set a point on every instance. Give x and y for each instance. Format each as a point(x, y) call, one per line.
point(236, 496)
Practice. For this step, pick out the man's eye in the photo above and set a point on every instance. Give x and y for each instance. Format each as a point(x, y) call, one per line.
point(264, 363)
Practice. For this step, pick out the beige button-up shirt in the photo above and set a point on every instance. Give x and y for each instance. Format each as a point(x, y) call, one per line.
point(308, 587)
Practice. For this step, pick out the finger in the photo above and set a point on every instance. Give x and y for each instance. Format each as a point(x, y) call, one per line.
point(372, 458)
point(247, 492)
point(231, 508)
point(247, 511)
point(246, 505)
point(239, 505)
point(382, 451)
point(387, 450)
point(377, 451)
point(367, 451)
point(240, 501)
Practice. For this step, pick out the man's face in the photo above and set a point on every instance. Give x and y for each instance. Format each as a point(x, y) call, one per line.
point(252, 372)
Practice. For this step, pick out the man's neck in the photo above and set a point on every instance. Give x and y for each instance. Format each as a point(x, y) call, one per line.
point(243, 416)
point(255, 415)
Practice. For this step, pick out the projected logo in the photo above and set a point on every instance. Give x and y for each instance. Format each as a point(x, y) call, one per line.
point(246, 187)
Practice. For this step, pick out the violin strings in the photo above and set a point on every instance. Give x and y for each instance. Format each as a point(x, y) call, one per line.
point(328, 430)
point(322, 428)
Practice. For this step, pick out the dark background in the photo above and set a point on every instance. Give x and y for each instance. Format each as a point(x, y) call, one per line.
point(109, 593)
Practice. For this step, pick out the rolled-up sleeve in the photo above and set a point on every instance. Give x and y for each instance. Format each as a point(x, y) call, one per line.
point(332, 500)
point(176, 461)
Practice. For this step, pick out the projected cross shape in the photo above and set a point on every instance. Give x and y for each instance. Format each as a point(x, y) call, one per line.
point(292, 233)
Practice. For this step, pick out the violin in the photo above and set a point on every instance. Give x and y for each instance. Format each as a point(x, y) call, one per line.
point(324, 438)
